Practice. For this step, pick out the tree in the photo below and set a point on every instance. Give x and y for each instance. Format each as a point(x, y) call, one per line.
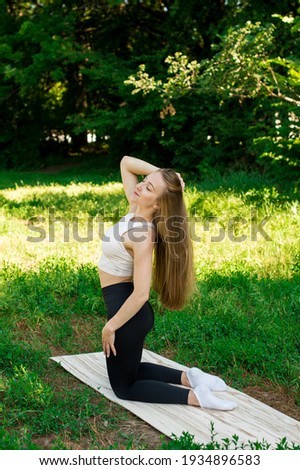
point(256, 82)
point(64, 66)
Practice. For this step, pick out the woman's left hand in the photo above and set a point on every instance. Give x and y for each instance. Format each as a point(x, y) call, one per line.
point(108, 341)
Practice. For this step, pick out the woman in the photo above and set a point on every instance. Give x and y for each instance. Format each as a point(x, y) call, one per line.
point(155, 224)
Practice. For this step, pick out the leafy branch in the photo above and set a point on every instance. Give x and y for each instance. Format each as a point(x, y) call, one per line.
point(243, 67)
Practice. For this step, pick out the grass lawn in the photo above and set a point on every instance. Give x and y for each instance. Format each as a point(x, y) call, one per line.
point(243, 323)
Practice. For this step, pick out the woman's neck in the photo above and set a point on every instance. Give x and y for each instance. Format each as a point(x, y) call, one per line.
point(146, 215)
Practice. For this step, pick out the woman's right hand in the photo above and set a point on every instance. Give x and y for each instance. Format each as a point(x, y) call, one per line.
point(108, 340)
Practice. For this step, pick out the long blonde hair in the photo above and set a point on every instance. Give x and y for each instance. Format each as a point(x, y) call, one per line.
point(173, 277)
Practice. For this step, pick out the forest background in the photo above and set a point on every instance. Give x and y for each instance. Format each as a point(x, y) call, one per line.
point(195, 84)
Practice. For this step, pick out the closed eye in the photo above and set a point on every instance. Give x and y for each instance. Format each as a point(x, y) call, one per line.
point(149, 186)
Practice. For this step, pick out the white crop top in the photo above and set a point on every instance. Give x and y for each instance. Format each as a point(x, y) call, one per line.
point(115, 259)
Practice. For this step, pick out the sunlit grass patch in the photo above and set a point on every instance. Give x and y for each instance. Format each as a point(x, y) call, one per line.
point(70, 200)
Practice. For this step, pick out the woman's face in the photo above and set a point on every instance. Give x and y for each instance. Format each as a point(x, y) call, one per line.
point(148, 191)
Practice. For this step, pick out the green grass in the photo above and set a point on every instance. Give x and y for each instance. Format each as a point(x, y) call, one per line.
point(243, 323)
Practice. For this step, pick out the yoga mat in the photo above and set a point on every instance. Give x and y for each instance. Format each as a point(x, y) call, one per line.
point(251, 420)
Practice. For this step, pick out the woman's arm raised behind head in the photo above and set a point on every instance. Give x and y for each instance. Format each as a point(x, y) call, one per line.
point(131, 167)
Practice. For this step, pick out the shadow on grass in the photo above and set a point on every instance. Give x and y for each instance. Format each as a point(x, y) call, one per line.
point(237, 325)
point(13, 179)
point(236, 182)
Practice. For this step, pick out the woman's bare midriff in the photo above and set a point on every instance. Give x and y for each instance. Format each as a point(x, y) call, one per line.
point(108, 279)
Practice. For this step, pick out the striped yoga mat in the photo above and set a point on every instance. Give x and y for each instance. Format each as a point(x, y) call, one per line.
point(251, 420)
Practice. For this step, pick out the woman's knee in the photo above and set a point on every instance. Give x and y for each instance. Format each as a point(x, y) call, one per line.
point(120, 391)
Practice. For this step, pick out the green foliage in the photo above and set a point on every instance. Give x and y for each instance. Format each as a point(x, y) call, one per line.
point(225, 75)
point(245, 90)
point(187, 442)
point(28, 399)
point(74, 288)
point(26, 391)
point(13, 441)
point(14, 354)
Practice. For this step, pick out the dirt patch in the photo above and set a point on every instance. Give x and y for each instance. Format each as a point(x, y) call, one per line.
point(278, 398)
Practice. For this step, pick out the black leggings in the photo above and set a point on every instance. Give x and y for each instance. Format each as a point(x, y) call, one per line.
point(130, 378)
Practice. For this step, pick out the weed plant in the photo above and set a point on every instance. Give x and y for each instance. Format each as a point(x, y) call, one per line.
point(187, 442)
point(243, 323)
